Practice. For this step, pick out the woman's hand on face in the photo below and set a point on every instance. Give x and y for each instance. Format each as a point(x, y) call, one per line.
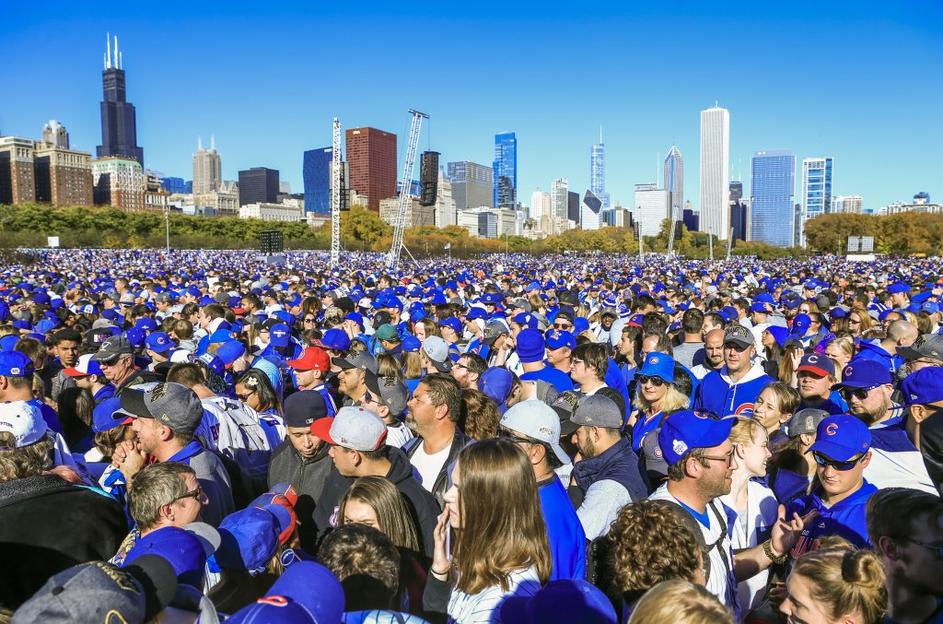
point(440, 558)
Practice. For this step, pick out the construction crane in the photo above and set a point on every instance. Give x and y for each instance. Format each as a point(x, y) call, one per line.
point(392, 259)
point(336, 165)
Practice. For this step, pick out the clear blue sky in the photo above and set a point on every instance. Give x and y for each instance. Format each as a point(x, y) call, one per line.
point(859, 81)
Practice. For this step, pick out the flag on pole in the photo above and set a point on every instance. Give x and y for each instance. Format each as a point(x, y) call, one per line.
point(448, 246)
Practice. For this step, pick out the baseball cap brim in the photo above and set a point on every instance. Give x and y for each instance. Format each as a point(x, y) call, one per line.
point(743, 342)
point(442, 367)
point(322, 429)
point(909, 354)
point(343, 363)
point(133, 405)
point(808, 368)
point(834, 451)
point(74, 372)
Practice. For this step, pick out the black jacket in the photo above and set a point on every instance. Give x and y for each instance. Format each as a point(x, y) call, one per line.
point(47, 525)
point(459, 441)
point(308, 476)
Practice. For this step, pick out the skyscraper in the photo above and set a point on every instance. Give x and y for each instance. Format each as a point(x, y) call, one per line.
point(118, 118)
point(651, 208)
point(316, 172)
point(54, 133)
point(772, 189)
point(559, 198)
point(505, 170)
point(816, 189)
point(573, 207)
point(674, 182)
point(847, 203)
point(207, 168)
point(541, 204)
point(715, 171)
point(739, 212)
point(258, 185)
point(472, 184)
point(371, 159)
point(597, 172)
point(590, 212)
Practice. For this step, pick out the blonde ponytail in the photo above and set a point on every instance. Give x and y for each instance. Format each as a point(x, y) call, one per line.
point(846, 582)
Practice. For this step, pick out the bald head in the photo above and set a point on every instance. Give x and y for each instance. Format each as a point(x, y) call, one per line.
point(903, 333)
point(715, 338)
point(714, 348)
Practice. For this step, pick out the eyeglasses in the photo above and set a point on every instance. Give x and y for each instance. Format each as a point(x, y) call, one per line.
point(197, 494)
point(935, 548)
point(245, 396)
point(824, 461)
point(509, 435)
point(727, 459)
point(562, 326)
point(858, 393)
point(655, 381)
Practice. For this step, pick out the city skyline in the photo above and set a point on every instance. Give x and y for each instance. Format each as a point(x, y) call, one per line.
point(286, 113)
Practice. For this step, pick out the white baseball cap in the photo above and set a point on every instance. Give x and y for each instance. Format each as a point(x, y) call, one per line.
point(353, 427)
point(538, 421)
point(24, 421)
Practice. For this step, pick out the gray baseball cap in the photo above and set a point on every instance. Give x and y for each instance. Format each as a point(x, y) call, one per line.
point(389, 391)
point(360, 360)
point(438, 351)
point(738, 334)
point(925, 346)
point(564, 406)
point(354, 427)
point(597, 410)
point(101, 592)
point(805, 421)
point(112, 348)
point(538, 421)
point(493, 329)
point(171, 404)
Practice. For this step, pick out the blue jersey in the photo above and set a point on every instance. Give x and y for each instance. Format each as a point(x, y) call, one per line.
point(564, 531)
point(846, 519)
point(719, 396)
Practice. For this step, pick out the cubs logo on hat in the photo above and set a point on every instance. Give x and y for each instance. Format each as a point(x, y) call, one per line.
point(841, 437)
point(15, 364)
point(819, 365)
point(863, 373)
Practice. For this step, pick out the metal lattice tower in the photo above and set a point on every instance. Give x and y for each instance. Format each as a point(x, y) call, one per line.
point(392, 259)
point(336, 165)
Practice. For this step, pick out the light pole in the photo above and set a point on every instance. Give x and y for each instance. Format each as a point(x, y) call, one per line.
point(167, 225)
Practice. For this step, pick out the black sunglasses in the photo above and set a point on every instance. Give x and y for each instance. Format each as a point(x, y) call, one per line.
point(841, 466)
point(858, 393)
point(655, 381)
point(563, 326)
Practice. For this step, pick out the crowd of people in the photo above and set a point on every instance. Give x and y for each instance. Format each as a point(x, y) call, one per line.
point(211, 436)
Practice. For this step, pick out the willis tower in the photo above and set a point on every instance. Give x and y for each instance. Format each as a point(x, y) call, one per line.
point(119, 125)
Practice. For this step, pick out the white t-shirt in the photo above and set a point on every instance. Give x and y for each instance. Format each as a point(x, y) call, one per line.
point(397, 435)
point(428, 465)
point(485, 606)
point(752, 528)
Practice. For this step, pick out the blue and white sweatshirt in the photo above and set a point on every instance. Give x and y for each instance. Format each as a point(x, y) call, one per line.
point(719, 395)
point(895, 461)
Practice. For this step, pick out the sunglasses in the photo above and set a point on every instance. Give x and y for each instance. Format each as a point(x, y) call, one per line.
point(508, 435)
point(244, 397)
point(310, 319)
point(562, 326)
point(841, 466)
point(655, 381)
point(857, 393)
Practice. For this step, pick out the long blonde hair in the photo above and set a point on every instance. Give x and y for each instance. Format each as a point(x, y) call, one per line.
point(498, 539)
point(680, 602)
point(393, 515)
point(673, 400)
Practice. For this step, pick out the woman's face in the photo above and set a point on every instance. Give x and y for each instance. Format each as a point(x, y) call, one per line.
point(654, 389)
point(420, 331)
point(766, 410)
point(357, 511)
point(452, 499)
point(799, 607)
point(756, 454)
point(248, 396)
point(837, 354)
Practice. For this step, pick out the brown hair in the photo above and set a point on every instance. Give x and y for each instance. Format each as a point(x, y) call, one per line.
point(652, 543)
point(152, 488)
point(27, 461)
point(845, 582)
point(365, 562)
point(187, 374)
point(680, 602)
point(444, 390)
point(496, 540)
point(788, 397)
point(595, 356)
point(388, 366)
point(480, 415)
point(892, 512)
point(412, 365)
point(392, 513)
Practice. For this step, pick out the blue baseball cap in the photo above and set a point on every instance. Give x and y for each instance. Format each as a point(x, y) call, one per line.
point(684, 430)
point(146, 323)
point(800, 324)
point(779, 334)
point(410, 344)
point(15, 364)
point(230, 351)
point(290, 599)
point(659, 365)
point(580, 324)
point(476, 312)
point(453, 323)
point(281, 335)
point(185, 552)
point(356, 317)
point(561, 602)
point(336, 339)
point(7, 343)
point(557, 339)
point(841, 437)
point(530, 346)
point(525, 319)
point(496, 382)
point(250, 537)
point(159, 342)
point(898, 287)
point(213, 363)
point(760, 307)
point(863, 373)
point(923, 387)
point(136, 337)
point(103, 416)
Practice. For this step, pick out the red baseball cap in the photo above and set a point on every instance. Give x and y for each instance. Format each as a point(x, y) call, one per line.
point(322, 429)
point(313, 358)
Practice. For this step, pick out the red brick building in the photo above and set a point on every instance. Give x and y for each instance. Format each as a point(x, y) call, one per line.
point(371, 158)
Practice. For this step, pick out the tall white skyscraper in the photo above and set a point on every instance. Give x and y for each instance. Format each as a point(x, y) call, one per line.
point(207, 168)
point(541, 204)
point(816, 190)
point(674, 182)
point(559, 197)
point(715, 171)
point(597, 172)
point(650, 209)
